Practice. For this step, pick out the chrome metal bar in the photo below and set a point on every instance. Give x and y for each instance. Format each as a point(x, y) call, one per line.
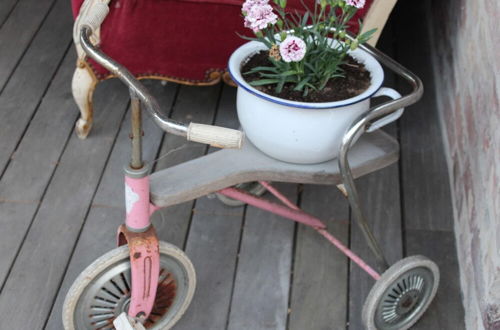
point(136, 123)
point(133, 84)
point(358, 128)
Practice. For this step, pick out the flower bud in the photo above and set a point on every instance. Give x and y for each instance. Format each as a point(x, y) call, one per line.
point(354, 44)
point(274, 53)
point(280, 24)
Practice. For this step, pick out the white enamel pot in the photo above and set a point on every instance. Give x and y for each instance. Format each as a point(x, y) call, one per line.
point(300, 132)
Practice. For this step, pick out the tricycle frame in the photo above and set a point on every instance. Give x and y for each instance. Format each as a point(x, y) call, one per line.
point(144, 252)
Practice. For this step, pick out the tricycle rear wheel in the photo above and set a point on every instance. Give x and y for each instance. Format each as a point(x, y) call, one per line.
point(401, 295)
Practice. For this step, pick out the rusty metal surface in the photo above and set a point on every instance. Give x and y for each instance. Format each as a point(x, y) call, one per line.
point(145, 269)
point(136, 126)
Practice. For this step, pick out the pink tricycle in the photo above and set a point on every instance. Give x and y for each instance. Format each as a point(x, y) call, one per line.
point(146, 283)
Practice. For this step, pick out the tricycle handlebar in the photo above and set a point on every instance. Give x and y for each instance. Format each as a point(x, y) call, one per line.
point(213, 135)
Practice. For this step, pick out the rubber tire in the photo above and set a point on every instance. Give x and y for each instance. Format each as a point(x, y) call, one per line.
point(386, 280)
point(257, 190)
point(117, 255)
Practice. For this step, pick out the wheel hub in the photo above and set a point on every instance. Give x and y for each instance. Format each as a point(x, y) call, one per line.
point(403, 299)
point(407, 302)
point(111, 297)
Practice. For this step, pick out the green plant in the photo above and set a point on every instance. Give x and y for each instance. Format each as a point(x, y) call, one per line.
point(306, 50)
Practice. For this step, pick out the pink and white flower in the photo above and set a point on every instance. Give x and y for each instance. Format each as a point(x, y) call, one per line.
point(356, 3)
point(259, 17)
point(248, 4)
point(292, 49)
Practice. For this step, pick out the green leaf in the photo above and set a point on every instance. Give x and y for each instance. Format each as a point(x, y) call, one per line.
point(280, 85)
point(264, 82)
point(263, 68)
point(305, 18)
point(301, 84)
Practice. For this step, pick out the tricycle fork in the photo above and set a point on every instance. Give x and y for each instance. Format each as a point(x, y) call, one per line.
point(137, 231)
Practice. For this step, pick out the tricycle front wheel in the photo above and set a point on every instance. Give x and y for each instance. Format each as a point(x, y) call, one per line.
point(401, 295)
point(102, 291)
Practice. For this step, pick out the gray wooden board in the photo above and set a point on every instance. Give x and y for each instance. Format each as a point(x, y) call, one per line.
point(426, 189)
point(262, 282)
point(22, 94)
point(380, 200)
point(446, 312)
point(35, 277)
point(6, 7)
point(18, 30)
point(320, 273)
point(381, 203)
point(212, 245)
point(428, 215)
point(30, 170)
point(229, 167)
point(197, 104)
point(107, 210)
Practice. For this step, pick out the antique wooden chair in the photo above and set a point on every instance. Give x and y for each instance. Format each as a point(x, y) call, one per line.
point(183, 41)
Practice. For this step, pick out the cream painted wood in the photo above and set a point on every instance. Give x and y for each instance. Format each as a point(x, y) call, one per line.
point(92, 13)
point(377, 17)
point(82, 87)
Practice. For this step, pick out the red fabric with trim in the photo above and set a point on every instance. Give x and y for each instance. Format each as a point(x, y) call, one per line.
point(181, 39)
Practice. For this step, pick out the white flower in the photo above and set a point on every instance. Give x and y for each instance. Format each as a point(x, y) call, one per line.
point(356, 3)
point(248, 4)
point(259, 17)
point(292, 49)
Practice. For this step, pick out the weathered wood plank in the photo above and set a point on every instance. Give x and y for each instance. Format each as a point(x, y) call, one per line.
point(6, 7)
point(25, 179)
point(28, 84)
point(446, 312)
point(229, 167)
point(426, 189)
point(212, 246)
point(381, 203)
point(38, 270)
point(428, 215)
point(262, 282)
point(320, 273)
point(17, 32)
point(106, 212)
point(380, 200)
point(107, 209)
point(197, 104)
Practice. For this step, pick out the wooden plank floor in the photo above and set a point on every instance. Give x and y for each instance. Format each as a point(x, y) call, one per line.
point(61, 199)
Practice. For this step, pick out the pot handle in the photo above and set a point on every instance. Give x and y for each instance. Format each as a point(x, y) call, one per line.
point(386, 91)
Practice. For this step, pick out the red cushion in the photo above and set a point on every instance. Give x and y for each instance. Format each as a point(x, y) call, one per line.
point(182, 40)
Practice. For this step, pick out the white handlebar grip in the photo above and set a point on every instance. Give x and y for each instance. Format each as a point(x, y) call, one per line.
point(95, 15)
point(216, 136)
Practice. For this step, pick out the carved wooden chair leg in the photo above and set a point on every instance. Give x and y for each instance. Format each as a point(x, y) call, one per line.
point(83, 85)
